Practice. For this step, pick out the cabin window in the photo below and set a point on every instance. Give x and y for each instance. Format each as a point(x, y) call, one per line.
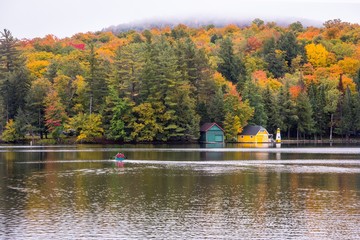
point(251, 136)
point(242, 136)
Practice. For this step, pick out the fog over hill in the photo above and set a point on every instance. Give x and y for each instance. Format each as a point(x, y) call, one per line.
point(141, 25)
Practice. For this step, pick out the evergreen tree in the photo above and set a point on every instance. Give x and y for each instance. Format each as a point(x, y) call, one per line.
point(35, 105)
point(96, 81)
point(272, 111)
point(9, 56)
point(252, 93)
point(305, 123)
point(230, 66)
point(346, 124)
point(275, 60)
point(216, 109)
point(287, 110)
point(14, 77)
point(318, 103)
point(288, 44)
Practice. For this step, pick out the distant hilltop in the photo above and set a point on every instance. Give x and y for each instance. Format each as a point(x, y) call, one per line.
point(200, 22)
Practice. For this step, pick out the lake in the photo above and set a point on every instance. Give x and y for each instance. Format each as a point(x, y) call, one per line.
point(228, 191)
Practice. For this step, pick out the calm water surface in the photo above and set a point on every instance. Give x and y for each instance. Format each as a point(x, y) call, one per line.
point(180, 192)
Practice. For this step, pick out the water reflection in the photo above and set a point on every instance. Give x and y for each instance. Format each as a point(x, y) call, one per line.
point(174, 194)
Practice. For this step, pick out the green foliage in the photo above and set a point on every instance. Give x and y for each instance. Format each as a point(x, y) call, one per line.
point(230, 66)
point(272, 111)
point(275, 59)
point(305, 123)
point(253, 95)
point(287, 110)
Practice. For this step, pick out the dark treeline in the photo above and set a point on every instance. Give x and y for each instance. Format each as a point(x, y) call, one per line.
point(162, 84)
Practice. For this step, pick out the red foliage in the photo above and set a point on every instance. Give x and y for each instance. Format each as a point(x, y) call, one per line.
point(80, 46)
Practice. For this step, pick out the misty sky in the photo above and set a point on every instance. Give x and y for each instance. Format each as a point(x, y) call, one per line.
point(63, 18)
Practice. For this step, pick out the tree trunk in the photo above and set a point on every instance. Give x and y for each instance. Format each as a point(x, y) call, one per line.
point(297, 134)
point(331, 127)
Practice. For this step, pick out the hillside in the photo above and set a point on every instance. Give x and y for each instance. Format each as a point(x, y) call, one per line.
point(162, 84)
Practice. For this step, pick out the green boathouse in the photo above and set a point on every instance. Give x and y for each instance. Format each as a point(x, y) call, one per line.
point(211, 133)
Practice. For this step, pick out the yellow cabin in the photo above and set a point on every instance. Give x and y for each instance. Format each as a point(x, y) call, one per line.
point(254, 134)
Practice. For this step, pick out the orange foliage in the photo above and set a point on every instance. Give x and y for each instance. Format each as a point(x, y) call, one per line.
point(261, 79)
point(348, 82)
point(259, 75)
point(335, 71)
point(295, 91)
point(309, 34)
point(253, 44)
point(232, 28)
point(267, 34)
point(357, 53)
point(308, 79)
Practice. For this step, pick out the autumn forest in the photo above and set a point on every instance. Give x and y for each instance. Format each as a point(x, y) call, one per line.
point(162, 84)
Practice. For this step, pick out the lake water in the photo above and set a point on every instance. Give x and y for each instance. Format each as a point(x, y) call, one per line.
point(180, 192)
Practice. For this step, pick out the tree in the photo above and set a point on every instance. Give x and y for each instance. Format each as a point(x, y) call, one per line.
point(14, 77)
point(346, 124)
point(318, 102)
point(274, 58)
point(120, 112)
point(287, 110)
point(145, 127)
point(127, 70)
point(96, 81)
point(272, 111)
point(230, 66)
point(305, 122)
point(288, 44)
point(232, 127)
point(216, 110)
point(55, 115)
point(10, 134)
point(91, 128)
point(317, 55)
point(8, 53)
point(332, 99)
point(252, 94)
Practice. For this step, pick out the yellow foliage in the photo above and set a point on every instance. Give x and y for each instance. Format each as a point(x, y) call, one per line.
point(37, 68)
point(219, 79)
point(317, 55)
point(37, 63)
point(80, 84)
point(349, 66)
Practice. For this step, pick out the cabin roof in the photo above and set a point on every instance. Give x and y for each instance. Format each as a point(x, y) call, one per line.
point(252, 130)
point(206, 126)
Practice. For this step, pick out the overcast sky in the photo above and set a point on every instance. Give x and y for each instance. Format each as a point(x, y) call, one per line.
point(63, 18)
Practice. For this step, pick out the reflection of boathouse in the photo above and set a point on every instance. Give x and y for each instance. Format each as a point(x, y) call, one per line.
point(254, 134)
point(211, 133)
